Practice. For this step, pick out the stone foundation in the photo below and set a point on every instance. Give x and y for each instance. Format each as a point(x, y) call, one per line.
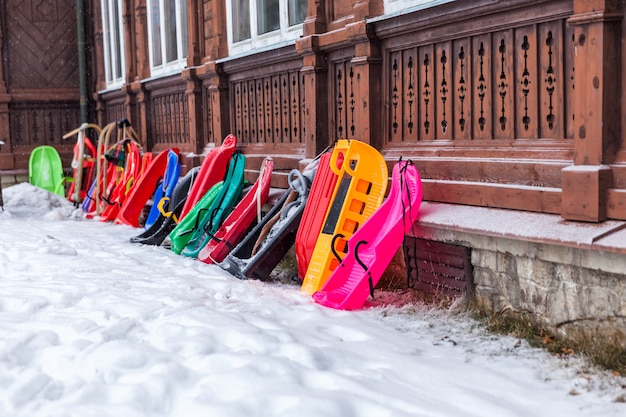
point(563, 276)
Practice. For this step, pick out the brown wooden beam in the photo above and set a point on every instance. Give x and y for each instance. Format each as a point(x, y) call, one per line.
point(537, 199)
point(597, 60)
point(616, 204)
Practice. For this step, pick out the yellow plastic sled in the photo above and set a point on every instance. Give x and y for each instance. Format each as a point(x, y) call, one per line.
point(360, 190)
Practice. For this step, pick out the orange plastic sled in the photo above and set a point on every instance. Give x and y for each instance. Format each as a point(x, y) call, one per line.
point(360, 190)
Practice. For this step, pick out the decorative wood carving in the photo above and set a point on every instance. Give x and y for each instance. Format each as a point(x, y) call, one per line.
point(505, 85)
point(268, 109)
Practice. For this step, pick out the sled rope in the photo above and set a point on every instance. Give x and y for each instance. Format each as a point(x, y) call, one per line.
point(362, 264)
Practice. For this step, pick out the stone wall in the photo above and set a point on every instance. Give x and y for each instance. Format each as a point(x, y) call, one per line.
point(574, 293)
point(569, 285)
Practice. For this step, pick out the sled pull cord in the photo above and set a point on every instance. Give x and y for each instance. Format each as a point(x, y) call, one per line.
point(365, 268)
point(332, 246)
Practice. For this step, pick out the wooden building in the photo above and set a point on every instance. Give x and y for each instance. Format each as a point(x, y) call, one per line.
point(504, 104)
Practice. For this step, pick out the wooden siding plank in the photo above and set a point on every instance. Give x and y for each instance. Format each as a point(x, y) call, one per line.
point(462, 89)
point(526, 173)
point(481, 80)
point(410, 99)
point(527, 81)
point(503, 89)
point(569, 80)
point(284, 130)
point(432, 283)
point(616, 204)
point(443, 93)
point(551, 84)
point(295, 113)
point(537, 199)
point(427, 93)
point(397, 111)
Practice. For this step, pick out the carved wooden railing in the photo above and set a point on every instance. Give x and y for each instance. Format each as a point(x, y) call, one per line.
point(115, 110)
point(267, 101)
point(35, 124)
point(168, 123)
point(268, 109)
point(481, 100)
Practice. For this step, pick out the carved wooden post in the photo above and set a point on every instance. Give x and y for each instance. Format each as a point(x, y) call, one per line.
point(313, 77)
point(213, 100)
point(193, 95)
point(98, 66)
point(597, 98)
point(130, 39)
point(141, 100)
point(364, 102)
point(218, 99)
point(195, 16)
point(141, 55)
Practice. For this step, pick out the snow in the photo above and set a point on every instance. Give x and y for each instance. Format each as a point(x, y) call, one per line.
point(92, 325)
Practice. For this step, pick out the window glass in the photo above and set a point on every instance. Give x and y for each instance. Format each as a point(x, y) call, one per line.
point(184, 33)
point(117, 41)
point(297, 11)
point(395, 6)
point(254, 24)
point(112, 42)
point(268, 18)
point(171, 39)
point(168, 38)
point(155, 26)
point(241, 20)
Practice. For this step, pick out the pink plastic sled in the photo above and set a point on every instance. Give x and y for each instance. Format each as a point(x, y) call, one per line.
point(372, 246)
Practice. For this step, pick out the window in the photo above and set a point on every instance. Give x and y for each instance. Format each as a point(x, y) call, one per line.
point(258, 23)
point(167, 35)
point(113, 40)
point(399, 6)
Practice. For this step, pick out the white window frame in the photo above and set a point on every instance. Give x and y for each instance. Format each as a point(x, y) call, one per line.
point(166, 68)
point(283, 34)
point(401, 6)
point(112, 39)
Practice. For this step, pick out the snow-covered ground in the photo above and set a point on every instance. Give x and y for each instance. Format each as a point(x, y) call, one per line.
point(91, 325)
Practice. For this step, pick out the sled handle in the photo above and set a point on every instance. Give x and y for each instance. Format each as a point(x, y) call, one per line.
point(82, 127)
point(362, 264)
point(332, 246)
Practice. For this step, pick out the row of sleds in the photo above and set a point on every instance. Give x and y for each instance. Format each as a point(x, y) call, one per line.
point(333, 211)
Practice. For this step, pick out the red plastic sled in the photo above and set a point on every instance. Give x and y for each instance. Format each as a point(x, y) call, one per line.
point(87, 172)
point(143, 190)
point(314, 213)
point(122, 188)
point(240, 219)
point(211, 172)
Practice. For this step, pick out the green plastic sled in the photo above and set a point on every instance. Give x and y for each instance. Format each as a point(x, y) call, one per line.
point(46, 171)
point(181, 234)
point(223, 204)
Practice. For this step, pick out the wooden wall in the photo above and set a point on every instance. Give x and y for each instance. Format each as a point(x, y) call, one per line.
point(514, 103)
point(39, 94)
point(482, 101)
